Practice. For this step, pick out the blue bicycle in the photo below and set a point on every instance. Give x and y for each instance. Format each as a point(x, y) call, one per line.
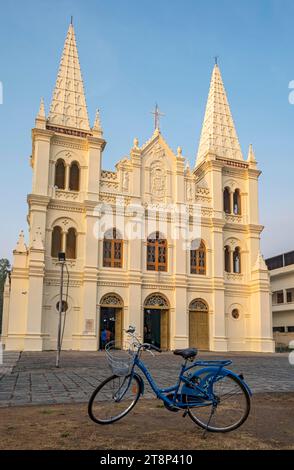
point(214, 397)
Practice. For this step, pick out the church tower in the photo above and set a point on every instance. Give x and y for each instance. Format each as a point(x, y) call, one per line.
point(66, 164)
point(241, 284)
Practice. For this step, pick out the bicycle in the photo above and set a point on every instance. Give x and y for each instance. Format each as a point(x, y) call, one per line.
point(215, 398)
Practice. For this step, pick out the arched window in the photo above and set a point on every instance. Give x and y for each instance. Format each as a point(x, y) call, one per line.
point(237, 260)
point(156, 252)
point(198, 258)
point(112, 249)
point(59, 181)
point(56, 243)
point(74, 177)
point(71, 244)
point(227, 200)
point(227, 259)
point(237, 202)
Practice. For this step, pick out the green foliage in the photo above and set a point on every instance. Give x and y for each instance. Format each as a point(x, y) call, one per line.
point(4, 268)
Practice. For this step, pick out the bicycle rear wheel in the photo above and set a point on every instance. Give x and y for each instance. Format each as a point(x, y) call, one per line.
point(231, 410)
point(114, 398)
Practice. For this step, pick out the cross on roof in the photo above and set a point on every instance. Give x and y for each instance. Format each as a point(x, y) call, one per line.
point(157, 115)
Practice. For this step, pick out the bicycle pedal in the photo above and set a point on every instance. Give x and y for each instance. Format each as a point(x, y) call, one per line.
point(185, 414)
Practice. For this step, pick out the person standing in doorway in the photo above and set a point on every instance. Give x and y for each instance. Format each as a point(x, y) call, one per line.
point(103, 338)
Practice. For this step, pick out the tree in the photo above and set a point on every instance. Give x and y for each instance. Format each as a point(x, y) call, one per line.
point(4, 269)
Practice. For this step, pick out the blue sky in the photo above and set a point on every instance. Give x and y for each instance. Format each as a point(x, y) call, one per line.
point(134, 53)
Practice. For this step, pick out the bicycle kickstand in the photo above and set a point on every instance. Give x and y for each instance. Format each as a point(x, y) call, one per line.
point(208, 423)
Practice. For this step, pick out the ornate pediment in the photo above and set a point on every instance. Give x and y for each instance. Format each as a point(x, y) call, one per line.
point(158, 161)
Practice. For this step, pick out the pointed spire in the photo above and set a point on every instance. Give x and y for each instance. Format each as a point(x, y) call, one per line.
point(68, 106)
point(260, 264)
point(7, 284)
point(41, 113)
point(40, 120)
point(20, 244)
point(136, 143)
point(218, 132)
point(251, 157)
point(187, 168)
point(97, 129)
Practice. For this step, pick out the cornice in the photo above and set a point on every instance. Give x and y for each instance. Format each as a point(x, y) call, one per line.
point(45, 133)
point(96, 141)
point(38, 199)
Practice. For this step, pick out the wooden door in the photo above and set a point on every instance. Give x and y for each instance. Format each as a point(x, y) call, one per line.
point(198, 330)
point(118, 327)
point(164, 336)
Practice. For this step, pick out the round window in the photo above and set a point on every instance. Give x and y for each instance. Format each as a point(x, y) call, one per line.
point(64, 306)
point(235, 313)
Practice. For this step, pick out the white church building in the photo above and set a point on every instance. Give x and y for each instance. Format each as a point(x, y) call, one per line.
point(172, 250)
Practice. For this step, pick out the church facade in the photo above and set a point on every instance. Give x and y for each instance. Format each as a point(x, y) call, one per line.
point(171, 250)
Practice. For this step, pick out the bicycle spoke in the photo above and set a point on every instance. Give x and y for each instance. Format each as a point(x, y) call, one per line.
point(114, 399)
point(231, 406)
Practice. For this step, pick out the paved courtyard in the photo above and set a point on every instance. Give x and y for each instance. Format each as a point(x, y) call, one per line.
point(31, 377)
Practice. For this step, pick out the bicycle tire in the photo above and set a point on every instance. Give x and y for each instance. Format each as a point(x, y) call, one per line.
point(192, 411)
point(91, 411)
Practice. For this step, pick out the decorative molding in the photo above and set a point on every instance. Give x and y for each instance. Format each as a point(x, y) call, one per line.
point(202, 190)
point(234, 277)
point(204, 199)
point(68, 131)
point(111, 198)
point(112, 284)
point(111, 300)
point(156, 301)
point(232, 218)
point(56, 282)
point(65, 208)
point(160, 286)
point(206, 212)
point(70, 144)
point(109, 175)
point(233, 163)
point(111, 185)
point(198, 305)
point(158, 176)
point(67, 195)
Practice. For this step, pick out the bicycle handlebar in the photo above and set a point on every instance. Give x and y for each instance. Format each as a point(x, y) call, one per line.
point(151, 346)
point(131, 331)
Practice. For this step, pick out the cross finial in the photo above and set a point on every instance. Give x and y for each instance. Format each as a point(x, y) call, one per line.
point(157, 115)
point(71, 20)
point(216, 59)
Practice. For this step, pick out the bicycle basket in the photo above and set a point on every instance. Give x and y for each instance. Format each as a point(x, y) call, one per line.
point(120, 357)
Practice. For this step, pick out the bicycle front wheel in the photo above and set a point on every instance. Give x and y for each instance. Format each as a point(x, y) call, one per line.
point(114, 398)
point(231, 409)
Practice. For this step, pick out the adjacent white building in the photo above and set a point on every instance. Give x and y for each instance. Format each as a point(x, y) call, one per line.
point(282, 285)
point(210, 290)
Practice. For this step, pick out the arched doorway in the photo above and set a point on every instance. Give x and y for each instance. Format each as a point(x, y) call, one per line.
point(198, 324)
point(110, 328)
point(156, 321)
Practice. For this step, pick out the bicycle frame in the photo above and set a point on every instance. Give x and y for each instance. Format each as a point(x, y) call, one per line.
point(215, 367)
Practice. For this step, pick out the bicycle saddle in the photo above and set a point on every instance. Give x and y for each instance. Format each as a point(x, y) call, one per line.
point(186, 353)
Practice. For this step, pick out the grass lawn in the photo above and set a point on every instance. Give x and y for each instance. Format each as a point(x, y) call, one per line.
point(149, 426)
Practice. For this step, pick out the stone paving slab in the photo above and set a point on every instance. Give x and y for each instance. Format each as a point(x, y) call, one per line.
point(10, 359)
point(35, 380)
